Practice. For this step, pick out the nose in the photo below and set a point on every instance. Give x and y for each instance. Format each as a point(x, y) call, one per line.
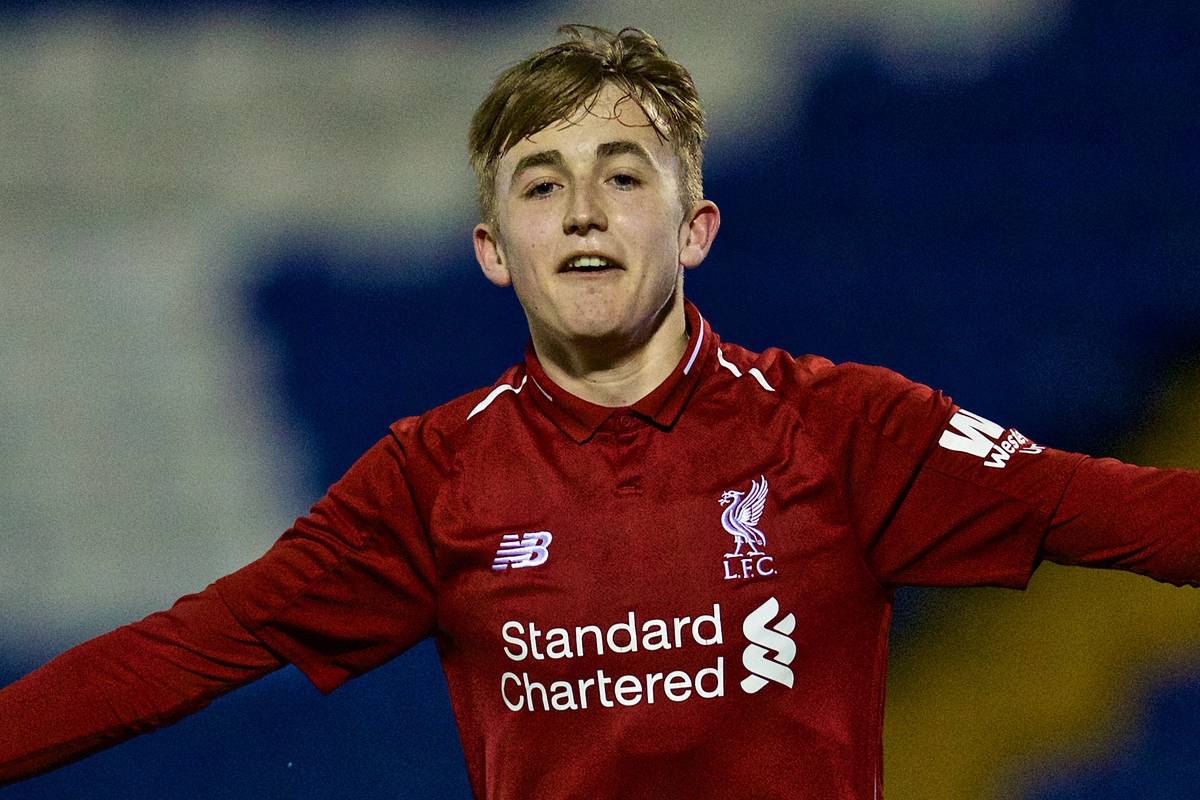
point(584, 213)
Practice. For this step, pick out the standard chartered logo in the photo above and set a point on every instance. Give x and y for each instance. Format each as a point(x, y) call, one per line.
point(601, 650)
point(771, 648)
point(602, 688)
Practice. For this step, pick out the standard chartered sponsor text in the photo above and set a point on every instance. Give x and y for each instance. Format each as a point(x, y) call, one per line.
point(600, 688)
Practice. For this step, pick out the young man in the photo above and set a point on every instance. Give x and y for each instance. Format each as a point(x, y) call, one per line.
point(655, 564)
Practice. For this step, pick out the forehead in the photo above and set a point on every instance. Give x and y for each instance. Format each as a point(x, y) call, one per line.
point(609, 116)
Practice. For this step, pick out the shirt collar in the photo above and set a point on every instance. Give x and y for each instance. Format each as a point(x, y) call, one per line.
point(580, 419)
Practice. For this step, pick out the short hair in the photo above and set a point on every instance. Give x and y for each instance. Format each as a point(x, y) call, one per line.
point(552, 83)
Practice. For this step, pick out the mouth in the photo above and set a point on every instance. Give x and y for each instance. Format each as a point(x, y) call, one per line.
point(589, 264)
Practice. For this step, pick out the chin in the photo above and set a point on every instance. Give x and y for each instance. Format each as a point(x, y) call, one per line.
point(588, 319)
point(593, 330)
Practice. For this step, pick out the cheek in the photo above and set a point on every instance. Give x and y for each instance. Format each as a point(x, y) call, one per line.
point(659, 236)
point(537, 236)
point(653, 224)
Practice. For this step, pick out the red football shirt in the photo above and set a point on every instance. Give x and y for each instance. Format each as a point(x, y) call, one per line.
point(689, 597)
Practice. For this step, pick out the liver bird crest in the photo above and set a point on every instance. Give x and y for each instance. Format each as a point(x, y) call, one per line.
point(740, 518)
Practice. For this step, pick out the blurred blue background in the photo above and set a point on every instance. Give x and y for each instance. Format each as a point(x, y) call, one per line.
point(234, 246)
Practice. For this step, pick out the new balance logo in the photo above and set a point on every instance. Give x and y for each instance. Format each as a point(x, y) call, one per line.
point(982, 438)
point(771, 649)
point(527, 550)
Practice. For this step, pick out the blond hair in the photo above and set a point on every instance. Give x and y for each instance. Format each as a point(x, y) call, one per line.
point(553, 83)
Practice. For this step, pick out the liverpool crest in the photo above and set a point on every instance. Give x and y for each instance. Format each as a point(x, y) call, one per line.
point(740, 519)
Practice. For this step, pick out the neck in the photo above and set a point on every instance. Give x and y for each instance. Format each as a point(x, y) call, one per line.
point(618, 373)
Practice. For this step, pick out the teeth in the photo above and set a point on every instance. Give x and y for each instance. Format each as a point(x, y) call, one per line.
point(588, 261)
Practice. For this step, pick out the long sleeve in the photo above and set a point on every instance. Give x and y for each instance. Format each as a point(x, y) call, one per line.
point(345, 589)
point(945, 497)
point(127, 682)
point(938, 495)
point(1140, 519)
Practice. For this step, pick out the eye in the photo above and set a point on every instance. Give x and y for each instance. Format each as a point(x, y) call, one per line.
point(623, 180)
point(542, 189)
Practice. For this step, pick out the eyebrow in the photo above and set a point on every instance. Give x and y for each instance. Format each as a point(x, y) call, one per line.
point(553, 158)
point(624, 147)
point(545, 158)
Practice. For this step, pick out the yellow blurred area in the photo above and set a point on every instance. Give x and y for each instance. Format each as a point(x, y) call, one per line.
point(1003, 683)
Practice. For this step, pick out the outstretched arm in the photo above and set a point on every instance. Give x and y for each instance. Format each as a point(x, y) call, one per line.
point(127, 682)
point(944, 497)
point(344, 590)
point(1139, 519)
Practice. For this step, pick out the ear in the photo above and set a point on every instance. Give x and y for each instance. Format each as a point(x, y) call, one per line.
point(489, 253)
point(697, 231)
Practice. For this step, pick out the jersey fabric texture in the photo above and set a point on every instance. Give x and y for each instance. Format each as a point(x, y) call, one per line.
point(665, 600)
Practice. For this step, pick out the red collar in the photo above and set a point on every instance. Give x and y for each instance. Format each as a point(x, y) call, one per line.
point(579, 419)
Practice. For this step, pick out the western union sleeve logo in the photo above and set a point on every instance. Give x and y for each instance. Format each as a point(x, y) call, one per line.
point(972, 434)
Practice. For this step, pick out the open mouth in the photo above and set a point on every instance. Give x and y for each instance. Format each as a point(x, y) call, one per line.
point(590, 264)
